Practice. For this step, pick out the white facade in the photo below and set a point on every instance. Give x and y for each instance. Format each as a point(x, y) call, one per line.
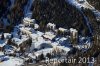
point(62, 29)
point(73, 32)
point(51, 26)
point(27, 21)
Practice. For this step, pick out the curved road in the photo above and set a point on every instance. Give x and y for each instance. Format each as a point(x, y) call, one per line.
point(79, 6)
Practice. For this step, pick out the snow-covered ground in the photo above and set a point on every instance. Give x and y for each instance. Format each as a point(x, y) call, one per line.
point(12, 62)
point(85, 4)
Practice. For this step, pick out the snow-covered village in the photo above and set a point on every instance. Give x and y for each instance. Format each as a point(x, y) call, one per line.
point(35, 38)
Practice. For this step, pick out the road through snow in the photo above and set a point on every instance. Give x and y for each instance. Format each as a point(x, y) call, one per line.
point(27, 10)
point(79, 6)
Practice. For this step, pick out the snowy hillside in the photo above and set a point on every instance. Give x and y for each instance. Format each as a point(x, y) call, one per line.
point(33, 31)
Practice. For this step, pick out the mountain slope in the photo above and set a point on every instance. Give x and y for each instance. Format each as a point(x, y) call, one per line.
point(60, 13)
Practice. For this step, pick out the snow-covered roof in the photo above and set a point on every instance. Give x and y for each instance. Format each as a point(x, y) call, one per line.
point(73, 30)
point(26, 30)
point(62, 29)
point(63, 38)
point(20, 41)
point(51, 24)
point(9, 51)
point(55, 44)
point(28, 20)
point(38, 41)
point(44, 51)
point(7, 35)
point(32, 56)
point(33, 36)
point(49, 35)
point(36, 26)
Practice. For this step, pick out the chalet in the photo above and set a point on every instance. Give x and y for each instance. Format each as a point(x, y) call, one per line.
point(28, 22)
point(36, 26)
point(63, 31)
point(27, 31)
point(51, 26)
point(60, 48)
point(73, 35)
point(7, 35)
point(23, 43)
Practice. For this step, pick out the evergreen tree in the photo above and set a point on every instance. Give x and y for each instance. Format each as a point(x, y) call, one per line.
point(2, 37)
point(30, 41)
point(42, 57)
point(9, 41)
point(11, 36)
point(48, 55)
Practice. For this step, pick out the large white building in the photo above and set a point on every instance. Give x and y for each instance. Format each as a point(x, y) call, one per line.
point(62, 29)
point(28, 21)
point(74, 36)
point(73, 32)
point(51, 26)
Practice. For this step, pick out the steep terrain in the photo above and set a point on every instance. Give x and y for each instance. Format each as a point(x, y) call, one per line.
point(44, 11)
point(59, 12)
point(34, 30)
point(95, 3)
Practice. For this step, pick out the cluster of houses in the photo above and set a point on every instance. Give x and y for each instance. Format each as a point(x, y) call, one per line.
point(48, 35)
point(26, 39)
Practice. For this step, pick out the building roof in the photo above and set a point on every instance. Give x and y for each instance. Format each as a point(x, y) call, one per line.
point(20, 41)
point(49, 35)
point(28, 20)
point(63, 29)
